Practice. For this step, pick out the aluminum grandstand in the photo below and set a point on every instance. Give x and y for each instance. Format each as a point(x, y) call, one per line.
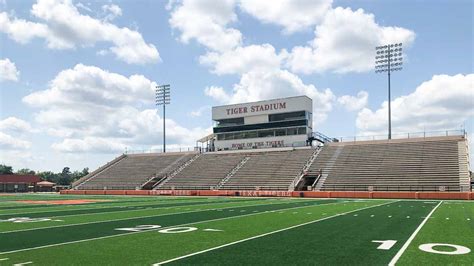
point(319, 163)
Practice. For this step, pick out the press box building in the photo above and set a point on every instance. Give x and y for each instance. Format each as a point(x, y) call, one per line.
point(281, 122)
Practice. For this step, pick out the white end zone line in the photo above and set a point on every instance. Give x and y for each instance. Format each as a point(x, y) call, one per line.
point(269, 233)
point(176, 225)
point(410, 239)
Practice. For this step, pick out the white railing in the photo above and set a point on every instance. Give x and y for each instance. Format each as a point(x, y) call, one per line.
point(176, 171)
point(91, 175)
point(306, 167)
point(411, 135)
point(232, 172)
point(178, 149)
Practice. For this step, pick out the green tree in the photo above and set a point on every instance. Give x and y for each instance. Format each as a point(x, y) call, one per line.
point(6, 170)
point(65, 176)
point(49, 176)
point(85, 171)
point(76, 174)
point(26, 171)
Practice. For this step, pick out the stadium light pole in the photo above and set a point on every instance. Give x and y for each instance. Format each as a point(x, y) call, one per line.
point(388, 58)
point(162, 97)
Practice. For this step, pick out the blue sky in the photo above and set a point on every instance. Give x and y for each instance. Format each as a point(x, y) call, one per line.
point(77, 77)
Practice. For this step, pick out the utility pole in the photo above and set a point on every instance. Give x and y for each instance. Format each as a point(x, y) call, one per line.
point(389, 58)
point(162, 97)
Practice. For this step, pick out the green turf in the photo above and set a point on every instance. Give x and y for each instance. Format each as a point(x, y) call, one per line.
point(256, 231)
point(452, 223)
point(66, 212)
point(26, 208)
point(350, 238)
point(97, 217)
point(151, 246)
point(54, 235)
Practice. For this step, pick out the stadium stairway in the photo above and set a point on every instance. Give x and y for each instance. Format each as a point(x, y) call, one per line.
point(275, 170)
point(416, 164)
point(178, 170)
point(206, 172)
point(133, 171)
point(302, 179)
point(232, 173)
point(419, 164)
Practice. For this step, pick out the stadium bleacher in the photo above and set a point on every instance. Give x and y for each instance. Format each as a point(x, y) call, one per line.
point(417, 164)
point(426, 164)
point(205, 172)
point(269, 170)
point(133, 170)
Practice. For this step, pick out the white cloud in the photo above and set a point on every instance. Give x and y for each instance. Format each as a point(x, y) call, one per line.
point(292, 15)
point(98, 111)
point(9, 142)
point(146, 128)
point(20, 30)
point(84, 7)
point(89, 144)
point(198, 112)
point(8, 70)
point(64, 27)
point(256, 86)
point(243, 59)
point(217, 93)
point(90, 85)
point(354, 103)
point(19, 158)
point(442, 103)
point(345, 42)
point(15, 124)
point(12, 134)
point(207, 22)
point(112, 11)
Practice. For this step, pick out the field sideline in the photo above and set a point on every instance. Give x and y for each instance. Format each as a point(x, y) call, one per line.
point(133, 230)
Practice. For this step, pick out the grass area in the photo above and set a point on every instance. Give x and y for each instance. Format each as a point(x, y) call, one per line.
point(452, 224)
point(259, 231)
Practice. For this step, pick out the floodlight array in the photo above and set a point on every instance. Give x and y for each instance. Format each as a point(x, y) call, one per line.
point(388, 58)
point(162, 95)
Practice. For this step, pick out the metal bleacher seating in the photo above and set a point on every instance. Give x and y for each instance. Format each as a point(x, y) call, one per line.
point(416, 164)
point(205, 172)
point(269, 170)
point(423, 164)
point(133, 170)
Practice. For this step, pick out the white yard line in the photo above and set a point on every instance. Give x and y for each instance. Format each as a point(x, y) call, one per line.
point(405, 246)
point(161, 228)
point(269, 233)
point(23, 263)
point(139, 208)
point(65, 207)
point(138, 217)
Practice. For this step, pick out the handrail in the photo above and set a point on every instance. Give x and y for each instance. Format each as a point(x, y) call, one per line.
point(320, 136)
point(316, 181)
point(232, 172)
point(184, 149)
point(306, 167)
point(92, 174)
point(176, 171)
point(408, 135)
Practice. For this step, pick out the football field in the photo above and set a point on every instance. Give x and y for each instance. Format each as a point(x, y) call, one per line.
point(128, 230)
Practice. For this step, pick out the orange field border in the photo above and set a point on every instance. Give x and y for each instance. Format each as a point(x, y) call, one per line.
point(297, 194)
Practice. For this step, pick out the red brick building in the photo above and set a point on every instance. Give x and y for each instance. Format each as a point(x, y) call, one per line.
point(18, 183)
